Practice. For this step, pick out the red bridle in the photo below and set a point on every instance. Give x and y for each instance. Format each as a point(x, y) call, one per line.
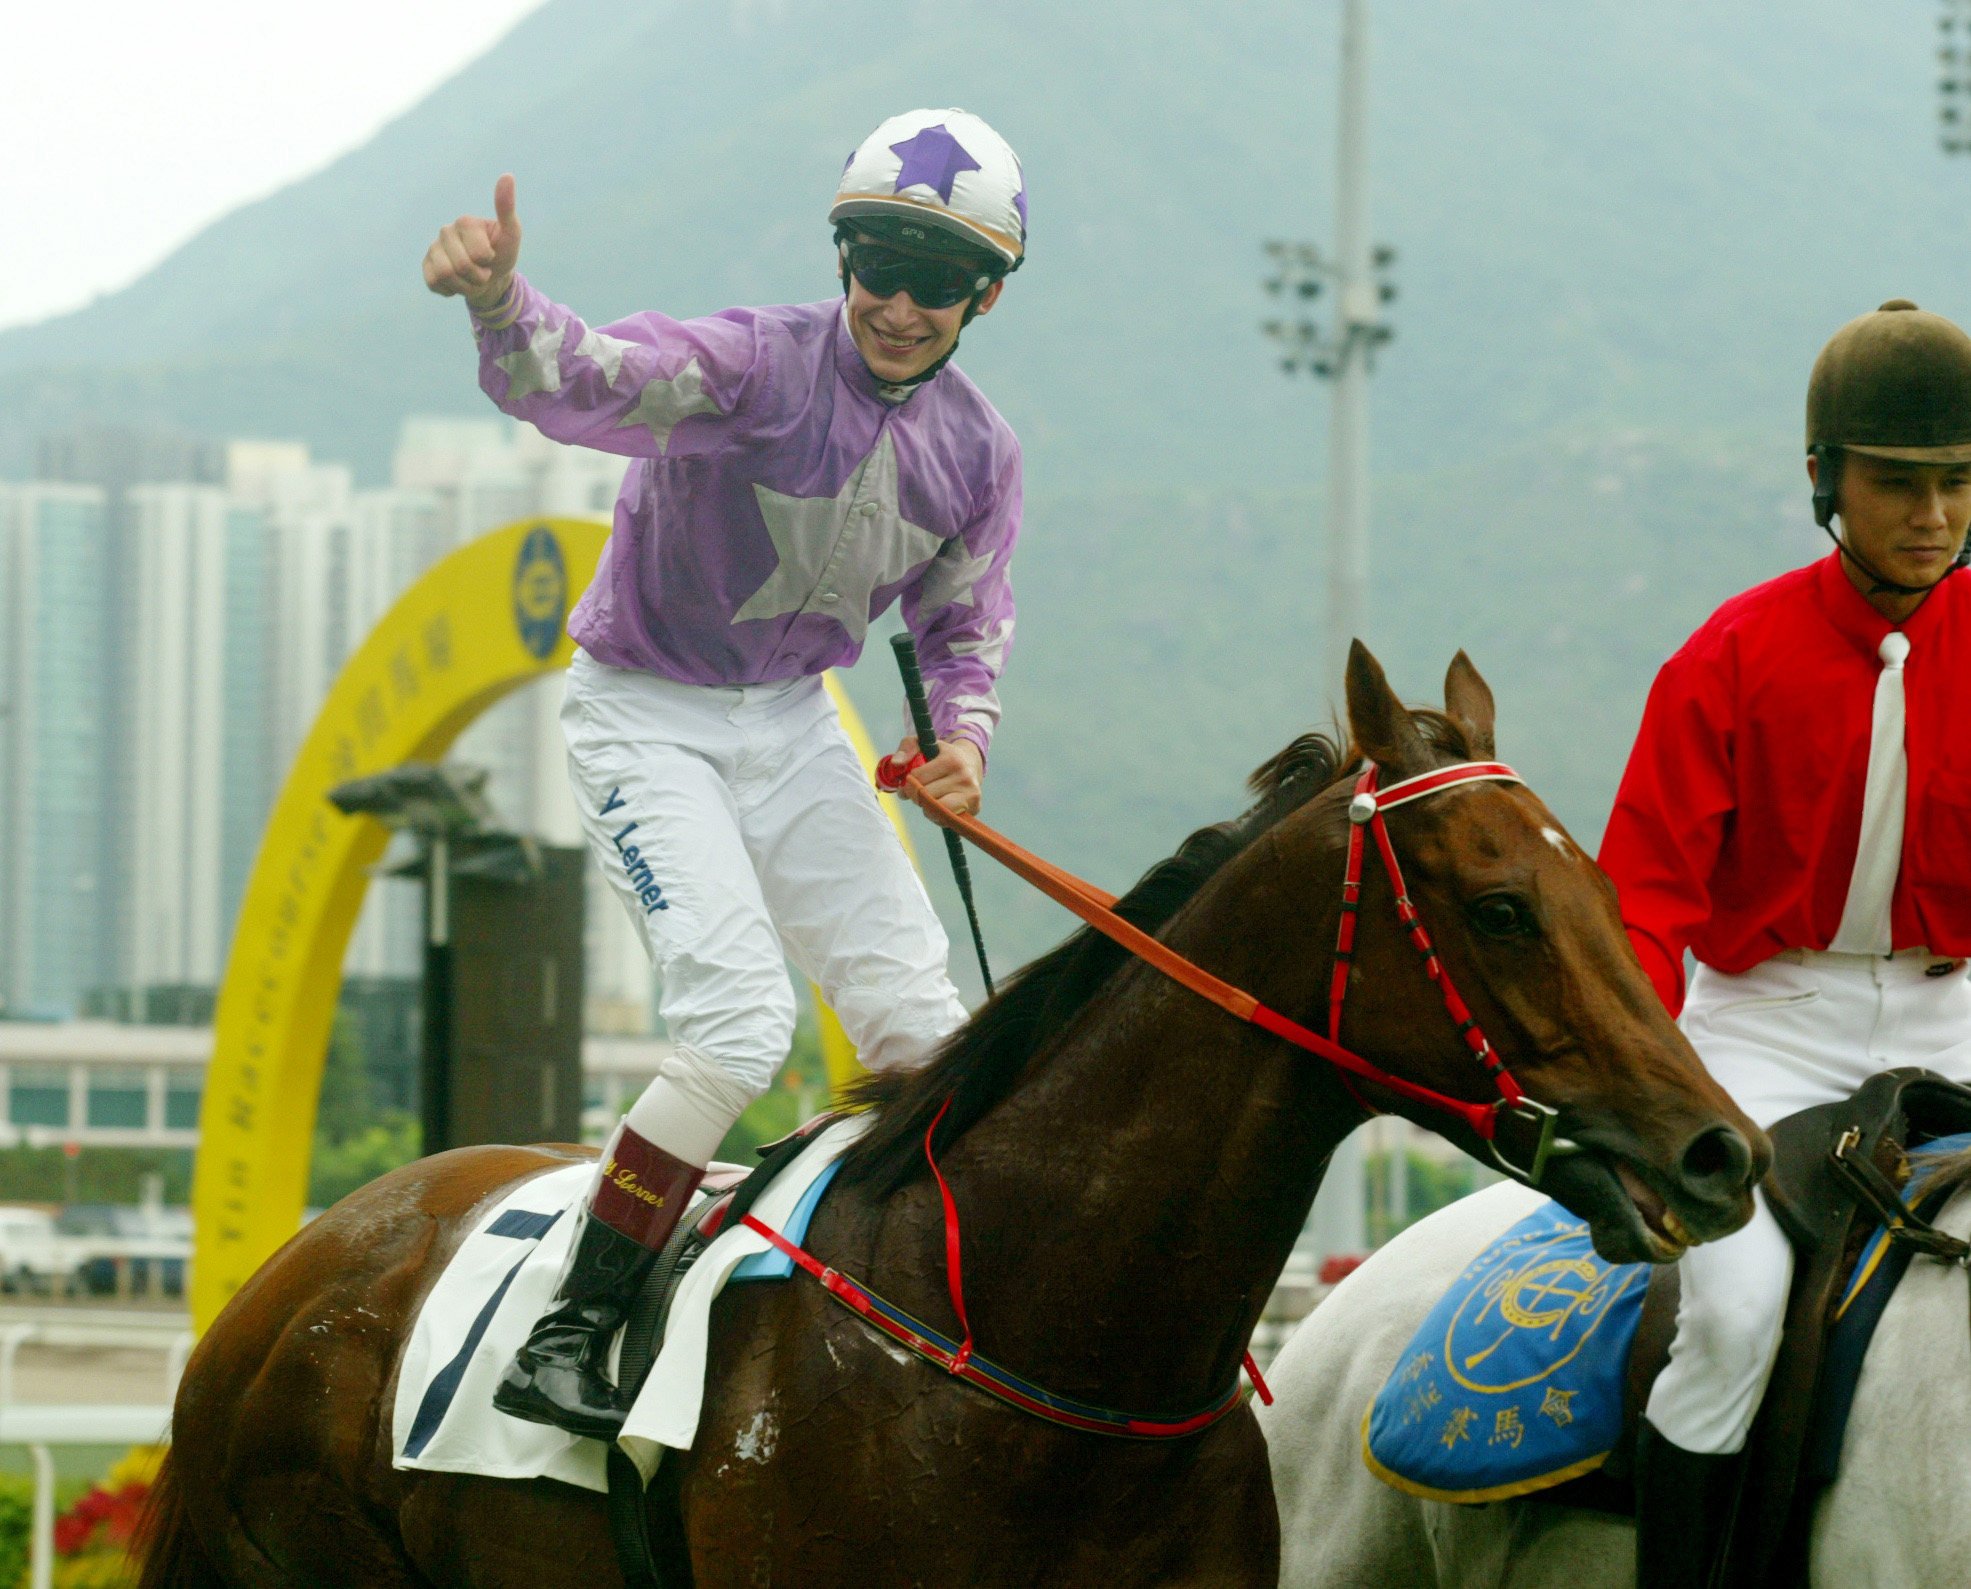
point(1094, 906)
point(1365, 811)
point(960, 1358)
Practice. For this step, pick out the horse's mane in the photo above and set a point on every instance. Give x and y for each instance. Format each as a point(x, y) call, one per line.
point(985, 1059)
point(1951, 1175)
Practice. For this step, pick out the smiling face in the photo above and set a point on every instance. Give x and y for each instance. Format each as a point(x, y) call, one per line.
point(1906, 520)
point(897, 337)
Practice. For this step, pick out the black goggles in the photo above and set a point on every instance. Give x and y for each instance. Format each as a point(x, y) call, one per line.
point(931, 282)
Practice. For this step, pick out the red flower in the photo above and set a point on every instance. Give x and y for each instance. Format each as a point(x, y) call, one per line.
point(113, 1514)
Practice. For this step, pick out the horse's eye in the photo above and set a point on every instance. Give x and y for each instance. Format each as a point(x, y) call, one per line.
point(1500, 916)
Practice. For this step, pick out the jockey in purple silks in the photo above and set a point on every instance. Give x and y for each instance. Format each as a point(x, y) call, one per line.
point(796, 470)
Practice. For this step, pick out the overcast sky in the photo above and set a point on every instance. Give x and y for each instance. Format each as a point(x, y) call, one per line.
point(128, 126)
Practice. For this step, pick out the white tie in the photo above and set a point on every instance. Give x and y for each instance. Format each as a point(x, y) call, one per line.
point(1865, 925)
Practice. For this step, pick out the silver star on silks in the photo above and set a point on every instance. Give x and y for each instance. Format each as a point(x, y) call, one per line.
point(606, 350)
point(537, 366)
point(989, 648)
point(951, 576)
point(664, 402)
point(805, 529)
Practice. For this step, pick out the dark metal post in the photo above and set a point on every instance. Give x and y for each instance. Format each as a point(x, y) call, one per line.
point(435, 1082)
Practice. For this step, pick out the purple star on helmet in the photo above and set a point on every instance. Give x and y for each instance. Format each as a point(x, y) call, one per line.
point(933, 158)
point(1020, 203)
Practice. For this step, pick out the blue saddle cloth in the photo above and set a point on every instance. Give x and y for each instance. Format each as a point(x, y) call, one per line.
point(1514, 1381)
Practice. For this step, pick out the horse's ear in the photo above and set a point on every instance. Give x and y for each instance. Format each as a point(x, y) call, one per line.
point(1468, 701)
point(1383, 728)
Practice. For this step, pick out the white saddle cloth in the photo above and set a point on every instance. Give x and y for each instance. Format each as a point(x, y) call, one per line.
point(502, 1279)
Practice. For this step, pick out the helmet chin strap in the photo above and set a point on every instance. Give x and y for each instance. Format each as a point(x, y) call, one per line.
point(1884, 585)
point(1827, 480)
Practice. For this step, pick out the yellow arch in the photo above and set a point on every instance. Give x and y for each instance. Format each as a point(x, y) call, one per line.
point(479, 624)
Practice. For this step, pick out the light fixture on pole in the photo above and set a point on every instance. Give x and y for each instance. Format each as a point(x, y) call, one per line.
point(1343, 351)
point(1954, 77)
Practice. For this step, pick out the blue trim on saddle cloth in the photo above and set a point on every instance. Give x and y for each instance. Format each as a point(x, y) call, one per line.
point(1878, 1271)
point(437, 1400)
point(1515, 1379)
point(521, 1224)
point(528, 1226)
point(774, 1264)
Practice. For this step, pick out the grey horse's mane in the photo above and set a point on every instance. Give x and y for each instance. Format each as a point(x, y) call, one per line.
point(1951, 1175)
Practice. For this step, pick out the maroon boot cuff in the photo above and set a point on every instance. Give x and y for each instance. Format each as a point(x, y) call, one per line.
point(644, 1191)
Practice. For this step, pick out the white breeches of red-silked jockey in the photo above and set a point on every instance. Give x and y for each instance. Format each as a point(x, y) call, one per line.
point(1803, 1028)
point(740, 832)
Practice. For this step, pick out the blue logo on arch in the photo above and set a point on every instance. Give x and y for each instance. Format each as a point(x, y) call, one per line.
point(540, 592)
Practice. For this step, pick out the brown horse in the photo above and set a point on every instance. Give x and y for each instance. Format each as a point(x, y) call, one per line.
point(1132, 1166)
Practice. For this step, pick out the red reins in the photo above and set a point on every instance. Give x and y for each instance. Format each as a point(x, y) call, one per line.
point(959, 1357)
point(1094, 906)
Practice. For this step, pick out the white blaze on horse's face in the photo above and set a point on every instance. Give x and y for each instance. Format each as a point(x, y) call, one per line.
point(1560, 841)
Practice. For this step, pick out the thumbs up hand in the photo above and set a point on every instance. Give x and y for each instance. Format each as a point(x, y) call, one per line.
point(473, 257)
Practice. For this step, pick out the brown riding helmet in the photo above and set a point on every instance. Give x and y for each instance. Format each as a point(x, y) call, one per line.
point(1895, 384)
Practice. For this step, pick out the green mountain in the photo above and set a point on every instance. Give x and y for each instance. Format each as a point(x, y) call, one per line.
point(1623, 230)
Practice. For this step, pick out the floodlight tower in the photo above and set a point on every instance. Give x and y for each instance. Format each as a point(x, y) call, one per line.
point(1954, 78)
point(1343, 354)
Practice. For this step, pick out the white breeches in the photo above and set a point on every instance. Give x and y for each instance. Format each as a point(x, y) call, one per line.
point(1803, 1028)
point(739, 831)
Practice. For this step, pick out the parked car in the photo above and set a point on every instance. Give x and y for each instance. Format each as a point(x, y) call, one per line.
point(34, 1255)
point(129, 1250)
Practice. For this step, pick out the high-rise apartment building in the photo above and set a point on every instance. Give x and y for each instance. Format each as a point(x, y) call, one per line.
point(57, 888)
point(172, 615)
point(200, 729)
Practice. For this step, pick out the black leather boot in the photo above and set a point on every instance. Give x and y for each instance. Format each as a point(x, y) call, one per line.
point(560, 1377)
point(1684, 1505)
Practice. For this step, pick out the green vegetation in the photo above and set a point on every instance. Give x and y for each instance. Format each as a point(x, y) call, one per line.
point(355, 1139)
point(92, 1175)
point(1432, 1183)
point(16, 1517)
point(799, 1092)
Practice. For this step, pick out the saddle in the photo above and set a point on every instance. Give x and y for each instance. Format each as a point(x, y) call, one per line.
point(1837, 1174)
point(647, 1524)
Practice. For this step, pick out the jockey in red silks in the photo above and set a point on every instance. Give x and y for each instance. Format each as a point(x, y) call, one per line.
point(796, 471)
point(1796, 813)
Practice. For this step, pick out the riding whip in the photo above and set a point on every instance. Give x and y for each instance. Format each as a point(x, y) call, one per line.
point(927, 743)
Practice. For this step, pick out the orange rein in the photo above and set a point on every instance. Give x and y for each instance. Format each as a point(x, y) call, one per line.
point(1096, 907)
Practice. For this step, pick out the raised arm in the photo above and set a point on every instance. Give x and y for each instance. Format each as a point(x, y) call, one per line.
point(625, 388)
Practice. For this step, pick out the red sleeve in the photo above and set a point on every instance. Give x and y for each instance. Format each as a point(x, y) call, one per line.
point(1668, 826)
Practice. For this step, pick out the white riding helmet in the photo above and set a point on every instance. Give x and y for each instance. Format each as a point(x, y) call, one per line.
point(944, 167)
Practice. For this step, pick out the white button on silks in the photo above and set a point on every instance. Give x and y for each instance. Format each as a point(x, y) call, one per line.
point(1894, 650)
point(829, 595)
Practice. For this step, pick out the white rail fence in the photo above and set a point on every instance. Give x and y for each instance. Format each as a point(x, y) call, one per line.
point(41, 1426)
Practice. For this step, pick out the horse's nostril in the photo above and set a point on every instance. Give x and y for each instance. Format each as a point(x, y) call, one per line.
point(1717, 1160)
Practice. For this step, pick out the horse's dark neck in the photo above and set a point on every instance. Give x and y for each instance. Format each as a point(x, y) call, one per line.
point(1127, 1211)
